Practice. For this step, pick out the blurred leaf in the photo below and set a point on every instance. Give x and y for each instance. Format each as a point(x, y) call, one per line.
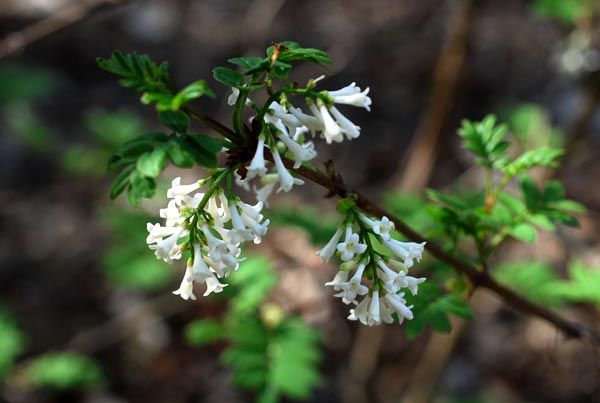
point(524, 232)
point(20, 83)
point(63, 370)
point(228, 77)
point(566, 11)
point(318, 226)
point(252, 283)
point(152, 163)
point(532, 127)
point(203, 331)
point(12, 342)
point(535, 279)
point(486, 141)
point(112, 128)
point(246, 62)
point(540, 157)
point(189, 93)
point(431, 307)
point(178, 121)
point(583, 285)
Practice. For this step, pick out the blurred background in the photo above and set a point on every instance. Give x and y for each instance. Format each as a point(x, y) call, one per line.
point(86, 311)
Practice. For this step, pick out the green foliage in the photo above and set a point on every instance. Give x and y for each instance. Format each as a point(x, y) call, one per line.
point(270, 353)
point(569, 11)
point(486, 141)
point(540, 282)
point(539, 157)
point(142, 159)
point(531, 127)
point(203, 331)
point(63, 370)
point(126, 261)
point(318, 227)
point(141, 74)
point(12, 342)
point(279, 67)
point(20, 84)
point(431, 307)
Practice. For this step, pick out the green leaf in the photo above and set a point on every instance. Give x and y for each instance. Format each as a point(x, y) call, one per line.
point(539, 157)
point(12, 342)
point(151, 164)
point(292, 51)
point(247, 62)
point(63, 370)
point(195, 90)
point(566, 11)
point(252, 284)
point(486, 141)
point(121, 182)
point(530, 191)
point(210, 144)
point(178, 121)
point(205, 331)
point(535, 279)
point(179, 155)
point(229, 77)
point(524, 232)
point(431, 307)
point(201, 156)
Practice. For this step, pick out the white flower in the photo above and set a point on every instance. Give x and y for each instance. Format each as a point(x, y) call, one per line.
point(243, 183)
point(239, 232)
point(407, 251)
point(352, 288)
point(257, 165)
point(351, 245)
point(258, 229)
point(331, 130)
point(156, 232)
point(262, 194)
point(311, 122)
point(213, 285)
point(381, 227)
point(340, 277)
point(374, 315)
point(280, 113)
point(352, 95)
point(398, 304)
point(171, 214)
point(286, 179)
point(186, 288)
point(350, 129)
point(361, 311)
point(235, 93)
point(167, 249)
point(305, 152)
point(177, 191)
point(329, 249)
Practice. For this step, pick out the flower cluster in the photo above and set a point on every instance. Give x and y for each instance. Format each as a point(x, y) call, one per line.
point(212, 227)
point(387, 275)
point(287, 127)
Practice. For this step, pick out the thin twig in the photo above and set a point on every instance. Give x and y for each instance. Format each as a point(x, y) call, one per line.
point(478, 278)
point(67, 16)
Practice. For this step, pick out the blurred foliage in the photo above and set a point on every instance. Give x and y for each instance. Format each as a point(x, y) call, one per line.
point(431, 307)
point(540, 282)
point(63, 370)
point(25, 84)
point(319, 226)
point(126, 261)
point(12, 342)
point(567, 11)
point(531, 127)
point(270, 352)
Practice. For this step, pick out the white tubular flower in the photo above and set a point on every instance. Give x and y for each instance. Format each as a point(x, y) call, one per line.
point(216, 247)
point(350, 129)
point(312, 123)
point(386, 312)
point(171, 214)
point(213, 285)
point(257, 165)
point(243, 183)
point(286, 179)
point(361, 312)
point(167, 249)
point(305, 152)
point(258, 229)
point(340, 277)
point(351, 245)
point(329, 249)
point(239, 232)
point(374, 315)
point(177, 191)
point(186, 288)
point(352, 95)
point(407, 251)
point(156, 232)
point(352, 288)
point(398, 304)
point(347, 90)
point(235, 93)
point(331, 130)
point(262, 194)
point(252, 211)
point(280, 113)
